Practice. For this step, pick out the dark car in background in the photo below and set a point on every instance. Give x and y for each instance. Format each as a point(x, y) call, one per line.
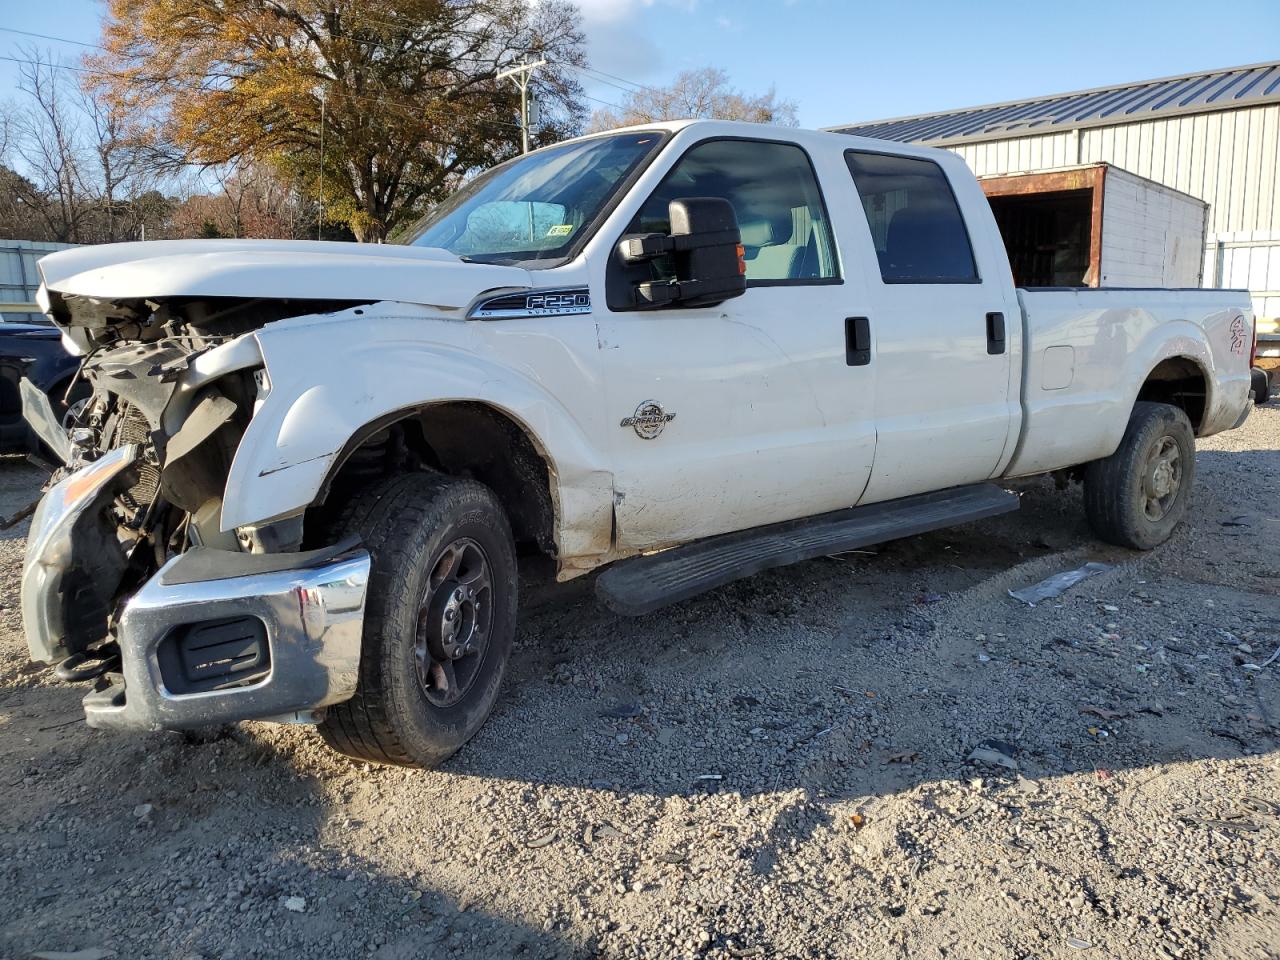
point(30, 345)
point(32, 349)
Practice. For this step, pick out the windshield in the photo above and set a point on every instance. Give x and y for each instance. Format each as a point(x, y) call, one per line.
point(536, 207)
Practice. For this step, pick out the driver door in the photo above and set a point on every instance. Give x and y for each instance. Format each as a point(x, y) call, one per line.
point(746, 412)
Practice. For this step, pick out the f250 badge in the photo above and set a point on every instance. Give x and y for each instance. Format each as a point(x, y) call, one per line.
point(541, 303)
point(648, 420)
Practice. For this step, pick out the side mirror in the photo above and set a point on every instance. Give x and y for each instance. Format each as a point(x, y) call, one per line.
point(705, 247)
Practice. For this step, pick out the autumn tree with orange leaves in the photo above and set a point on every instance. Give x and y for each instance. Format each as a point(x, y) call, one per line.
point(403, 93)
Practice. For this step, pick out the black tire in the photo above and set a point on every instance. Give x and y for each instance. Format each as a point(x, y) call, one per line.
point(1129, 498)
point(409, 522)
point(1261, 384)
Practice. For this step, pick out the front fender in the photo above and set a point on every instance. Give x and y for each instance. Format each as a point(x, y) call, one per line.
point(331, 376)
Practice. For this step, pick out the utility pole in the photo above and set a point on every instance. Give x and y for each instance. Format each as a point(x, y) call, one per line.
point(320, 218)
point(522, 73)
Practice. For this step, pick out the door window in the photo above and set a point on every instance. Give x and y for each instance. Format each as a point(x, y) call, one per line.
point(785, 231)
point(915, 222)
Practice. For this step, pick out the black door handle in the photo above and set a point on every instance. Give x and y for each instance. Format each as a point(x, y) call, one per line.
point(995, 333)
point(857, 341)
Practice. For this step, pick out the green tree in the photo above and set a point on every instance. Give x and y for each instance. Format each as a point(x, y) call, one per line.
point(403, 93)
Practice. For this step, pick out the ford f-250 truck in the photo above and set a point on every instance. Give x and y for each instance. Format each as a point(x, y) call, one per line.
point(691, 350)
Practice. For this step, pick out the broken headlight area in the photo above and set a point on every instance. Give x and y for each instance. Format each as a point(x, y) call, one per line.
point(180, 427)
point(130, 580)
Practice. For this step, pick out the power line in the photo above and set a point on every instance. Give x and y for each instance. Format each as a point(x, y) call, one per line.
point(617, 86)
point(616, 106)
point(372, 43)
point(45, 36)
point(106, 73)
point(599, 76)
point(611, 76)
point(58, 66)
point(329, 93)
point(609, 79)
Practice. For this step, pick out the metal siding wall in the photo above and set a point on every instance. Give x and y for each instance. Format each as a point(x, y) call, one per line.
point(19, 276)
point(1021, 155)
point(1268, 216)
point(1231, 160)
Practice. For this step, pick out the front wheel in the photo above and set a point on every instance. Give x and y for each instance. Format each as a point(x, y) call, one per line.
point(439, 619)
point(1138, 495)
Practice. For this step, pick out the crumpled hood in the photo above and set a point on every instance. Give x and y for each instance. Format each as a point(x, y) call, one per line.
point(274, 269)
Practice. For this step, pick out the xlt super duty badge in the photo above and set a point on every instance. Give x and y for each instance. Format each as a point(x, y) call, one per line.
point(648, 420)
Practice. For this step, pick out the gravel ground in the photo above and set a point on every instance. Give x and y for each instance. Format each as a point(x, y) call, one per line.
point(777, 769)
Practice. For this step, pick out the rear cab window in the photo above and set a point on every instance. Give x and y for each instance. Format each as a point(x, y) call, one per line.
point(916, 225)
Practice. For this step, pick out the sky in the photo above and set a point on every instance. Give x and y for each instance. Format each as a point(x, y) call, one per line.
point(844, 62)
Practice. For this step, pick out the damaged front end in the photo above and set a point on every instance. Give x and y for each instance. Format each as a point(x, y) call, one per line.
point(130, 582)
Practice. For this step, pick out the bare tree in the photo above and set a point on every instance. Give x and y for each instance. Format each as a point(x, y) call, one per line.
point(698, 94)
point(122, 171)
point(72, 170)
point(6, 131)
point(50, 150)
point(248, 201)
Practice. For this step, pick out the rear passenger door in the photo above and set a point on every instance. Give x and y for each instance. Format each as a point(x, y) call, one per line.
point(946, 400)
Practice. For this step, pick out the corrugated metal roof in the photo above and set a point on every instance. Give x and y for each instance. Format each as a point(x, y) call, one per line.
point(1226, 89)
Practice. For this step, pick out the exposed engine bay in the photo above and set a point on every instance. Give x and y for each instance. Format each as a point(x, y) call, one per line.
point(184, 426)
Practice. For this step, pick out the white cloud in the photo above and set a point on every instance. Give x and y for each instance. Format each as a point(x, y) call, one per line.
point(603, 11)
point(620, 39)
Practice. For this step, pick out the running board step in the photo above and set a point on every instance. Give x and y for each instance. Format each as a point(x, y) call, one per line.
point(641, 585)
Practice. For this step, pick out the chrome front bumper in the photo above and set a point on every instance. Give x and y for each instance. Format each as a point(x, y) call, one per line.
point(295, 622)
point(215, 636)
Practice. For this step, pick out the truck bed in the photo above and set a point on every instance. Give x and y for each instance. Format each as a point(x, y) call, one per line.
point(1086, 351)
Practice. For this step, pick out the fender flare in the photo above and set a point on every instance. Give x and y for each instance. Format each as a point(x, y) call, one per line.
point(1187, 342)
point(322, 400)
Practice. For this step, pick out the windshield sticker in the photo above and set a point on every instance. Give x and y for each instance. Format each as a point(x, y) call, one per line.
point(560, 230)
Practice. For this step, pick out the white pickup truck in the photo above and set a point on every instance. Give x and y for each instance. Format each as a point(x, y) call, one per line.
point(691, 350)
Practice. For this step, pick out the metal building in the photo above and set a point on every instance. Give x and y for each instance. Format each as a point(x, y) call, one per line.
point(1213, 135)
point(19, 278)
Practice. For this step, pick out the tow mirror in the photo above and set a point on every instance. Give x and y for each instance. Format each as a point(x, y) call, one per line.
point(705, 247)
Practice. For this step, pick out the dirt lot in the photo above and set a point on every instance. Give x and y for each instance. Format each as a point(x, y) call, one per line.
point(777, 769)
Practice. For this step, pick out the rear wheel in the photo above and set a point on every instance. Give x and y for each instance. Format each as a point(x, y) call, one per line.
point(1138, 495)
point(439, 619)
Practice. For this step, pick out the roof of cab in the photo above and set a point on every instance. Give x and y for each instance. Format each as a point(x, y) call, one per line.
point(767, 131)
